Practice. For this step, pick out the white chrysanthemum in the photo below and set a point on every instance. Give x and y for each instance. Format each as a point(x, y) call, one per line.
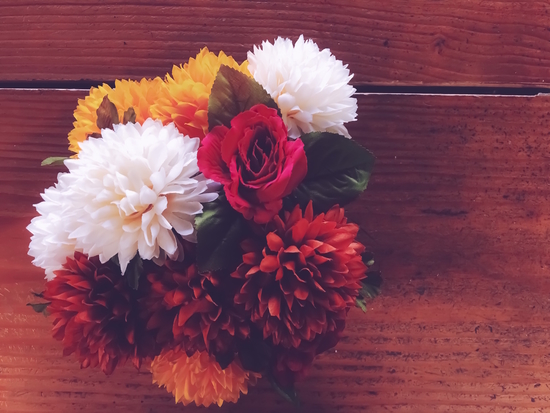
point(50, 244)
point(124, 194)
point(310, 85)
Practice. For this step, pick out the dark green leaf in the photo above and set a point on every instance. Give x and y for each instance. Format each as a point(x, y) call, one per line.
point(115, 260)
point(234, 92)
point(338, 171)
point(107, 115)
point(39, 307)
point(370, 289)
point(134, 271)
point(255, 354)
point(39, 295)
point(361, 303)
point(129, 116)
point(287, 392)
point(53, 161)
point(220, 230)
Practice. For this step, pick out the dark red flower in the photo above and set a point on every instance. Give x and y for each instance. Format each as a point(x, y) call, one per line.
point(255, 162)
point(194, 310)
point(302, 280)
point(96, 314)
point(292, 364)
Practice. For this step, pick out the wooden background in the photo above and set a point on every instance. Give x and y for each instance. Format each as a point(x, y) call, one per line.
point(457, 210)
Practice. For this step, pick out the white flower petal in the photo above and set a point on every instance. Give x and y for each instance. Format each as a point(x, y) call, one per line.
point(310, 86)
point(123, 195)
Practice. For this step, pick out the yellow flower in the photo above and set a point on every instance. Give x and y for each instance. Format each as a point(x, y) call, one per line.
point(200, 378)
point(127, 93)
point(184, 98)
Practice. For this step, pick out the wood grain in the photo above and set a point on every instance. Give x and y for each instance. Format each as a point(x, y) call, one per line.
point(405, 42)
point(456, 212)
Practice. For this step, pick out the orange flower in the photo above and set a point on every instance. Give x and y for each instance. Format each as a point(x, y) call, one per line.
point(304, 280)
point(200, 378)
point(184, 97)
point(127, 93)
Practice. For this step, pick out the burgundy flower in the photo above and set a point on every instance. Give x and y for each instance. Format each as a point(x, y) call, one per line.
point(194, 310)
point(255, 162)
point(96, 314)
point(302, 280)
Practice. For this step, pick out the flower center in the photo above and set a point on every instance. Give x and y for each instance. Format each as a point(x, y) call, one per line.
point(137, 214)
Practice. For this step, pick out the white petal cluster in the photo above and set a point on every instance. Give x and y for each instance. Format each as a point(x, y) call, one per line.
point(124, 194)
point(310, 86)
point(50, 244)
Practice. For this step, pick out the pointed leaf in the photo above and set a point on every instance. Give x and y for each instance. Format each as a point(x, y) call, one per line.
point(220, 230)
point(54, 161)
point(287, 392)
point(129, 116)
point(338, 171)
point(255, 354)
point(107, 115)
point(234, 92)
point(134, 271)
point(370, 287)
point(39, 307)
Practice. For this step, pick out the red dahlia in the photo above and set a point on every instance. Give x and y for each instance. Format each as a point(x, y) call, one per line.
point(304, 279)
point(194, 310)
point(96, 314)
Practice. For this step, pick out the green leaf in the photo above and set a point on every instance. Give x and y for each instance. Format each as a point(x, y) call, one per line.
point(234, 92)
point(361, 303)
point(107, 115)
point(129, 116)
point(133, 272)
point(370, 287)
point(40, 307)
point(220, 230)
point(255, 354)
point(287, 392)
point(338, 171)
point(54, 161)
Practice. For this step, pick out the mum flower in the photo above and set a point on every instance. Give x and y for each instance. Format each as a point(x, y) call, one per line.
point(126, 94)
point(200, 378)
point(302, 281)
point(310, 85)
point(194, 310)
point(128, 191)
point(183, 99)
point(96, 315)
point(50, 243)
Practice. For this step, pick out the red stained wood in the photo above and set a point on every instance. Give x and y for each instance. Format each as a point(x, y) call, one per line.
point(456, 212)
point(403, 42)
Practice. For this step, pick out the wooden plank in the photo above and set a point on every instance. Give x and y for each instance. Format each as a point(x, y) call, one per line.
point(403, 42)
point(457, 215)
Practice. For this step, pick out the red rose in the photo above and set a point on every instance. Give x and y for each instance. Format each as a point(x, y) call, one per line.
point(254, 161)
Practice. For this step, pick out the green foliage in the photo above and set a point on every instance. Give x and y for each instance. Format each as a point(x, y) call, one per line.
point(338, 171)
point(234, 92)
point(220, 230)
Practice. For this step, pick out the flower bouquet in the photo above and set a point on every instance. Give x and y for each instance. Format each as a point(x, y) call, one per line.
point(199, 228)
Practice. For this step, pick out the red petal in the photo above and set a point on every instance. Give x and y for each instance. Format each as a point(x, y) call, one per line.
point(275, 306)
point(269, 264)
point(274, 242)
